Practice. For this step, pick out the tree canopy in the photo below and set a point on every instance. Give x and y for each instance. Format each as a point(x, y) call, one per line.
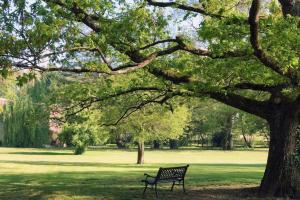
point(242, 53)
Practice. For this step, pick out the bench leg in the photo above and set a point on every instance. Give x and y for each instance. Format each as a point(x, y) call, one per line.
point(172, 186)
point(156, 191)
point(183, 186)
point(146, 185)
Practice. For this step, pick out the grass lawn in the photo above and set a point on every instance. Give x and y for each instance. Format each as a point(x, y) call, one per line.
point(112, 174)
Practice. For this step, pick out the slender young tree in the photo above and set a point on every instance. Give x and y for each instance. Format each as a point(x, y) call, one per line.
point(145, 124)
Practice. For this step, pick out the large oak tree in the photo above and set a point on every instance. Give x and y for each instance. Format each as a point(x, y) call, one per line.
point(243, 53)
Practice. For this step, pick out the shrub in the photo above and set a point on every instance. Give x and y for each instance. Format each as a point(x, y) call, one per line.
point(80, 135)
point(66, 136)
point(79, 149)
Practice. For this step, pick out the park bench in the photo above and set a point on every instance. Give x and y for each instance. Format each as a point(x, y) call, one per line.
point(174, 175)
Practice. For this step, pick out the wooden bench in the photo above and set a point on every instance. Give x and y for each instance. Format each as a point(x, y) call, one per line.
point(174, 175)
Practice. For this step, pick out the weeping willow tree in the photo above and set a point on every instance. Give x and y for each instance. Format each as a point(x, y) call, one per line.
point(26, 118)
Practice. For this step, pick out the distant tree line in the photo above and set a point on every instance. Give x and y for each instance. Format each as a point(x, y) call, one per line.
point(181, 123)
point(217, 125)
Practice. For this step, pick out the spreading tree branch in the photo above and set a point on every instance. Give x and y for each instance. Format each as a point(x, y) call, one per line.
point(160, 99)
point(170, 76)
point(139, 60)
point(158, 42)
point(184, 7)
point(90, 20)
point(258, 87)
point(87, 103)
point(258, 51)
point(259, 108)
point(123, 69)
point(178, 78)
point(225, 95)
point(58, 69)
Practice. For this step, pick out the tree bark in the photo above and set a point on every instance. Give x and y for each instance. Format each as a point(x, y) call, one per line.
point(141, 149)
point(248, 143)
point(290, 7)
point(281, 177)
point(279, 173)
point(228, 142)
point(202, 140)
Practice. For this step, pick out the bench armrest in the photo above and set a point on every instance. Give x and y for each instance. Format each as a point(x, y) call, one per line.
point(147, 175)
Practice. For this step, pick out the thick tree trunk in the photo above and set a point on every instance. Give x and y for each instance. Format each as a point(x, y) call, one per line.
point(281, 178)
point(279, 173)
point(141, 149)
point(290, 7)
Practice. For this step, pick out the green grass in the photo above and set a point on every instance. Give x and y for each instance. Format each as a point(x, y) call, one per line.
point(112, 174)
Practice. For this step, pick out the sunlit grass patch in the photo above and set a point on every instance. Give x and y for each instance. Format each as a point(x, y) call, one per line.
point(52, 174)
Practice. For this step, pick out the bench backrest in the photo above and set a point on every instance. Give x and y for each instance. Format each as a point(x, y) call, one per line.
point(171, 173)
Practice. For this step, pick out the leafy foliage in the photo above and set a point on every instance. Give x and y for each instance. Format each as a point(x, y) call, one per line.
point(242, 53)
point(84, 130)
point(250, 126)
point(26, 119)
point(149, 123)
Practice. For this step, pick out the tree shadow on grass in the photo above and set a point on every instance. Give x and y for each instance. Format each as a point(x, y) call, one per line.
point(152, 165)
point(111, 186)
point(79, 164)
point(198, 174)
point(124, 183)
point(42, 153)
